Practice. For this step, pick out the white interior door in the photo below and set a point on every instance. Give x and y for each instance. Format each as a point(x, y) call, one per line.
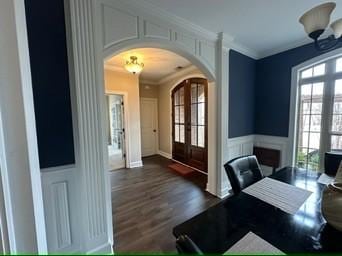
point(149, 126)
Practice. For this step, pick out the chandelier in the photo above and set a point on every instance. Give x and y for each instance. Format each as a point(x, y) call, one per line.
point(315, 22)
point(133, 66)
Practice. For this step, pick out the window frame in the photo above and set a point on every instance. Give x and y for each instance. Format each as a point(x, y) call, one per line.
point(328, 79)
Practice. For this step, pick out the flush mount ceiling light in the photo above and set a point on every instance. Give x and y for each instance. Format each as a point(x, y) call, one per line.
point(133, 66)
point(316, 20)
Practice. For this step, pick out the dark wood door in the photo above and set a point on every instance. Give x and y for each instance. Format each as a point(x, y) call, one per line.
point(190, 123)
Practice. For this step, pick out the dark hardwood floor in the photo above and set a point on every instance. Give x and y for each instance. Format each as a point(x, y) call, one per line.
point(149, 201)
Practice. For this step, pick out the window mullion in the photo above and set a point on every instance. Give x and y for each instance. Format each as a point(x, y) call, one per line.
point(327, 109)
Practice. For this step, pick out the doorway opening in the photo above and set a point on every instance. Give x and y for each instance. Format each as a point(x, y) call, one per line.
point(116, 131)
point(144, 128)
point(190, 123)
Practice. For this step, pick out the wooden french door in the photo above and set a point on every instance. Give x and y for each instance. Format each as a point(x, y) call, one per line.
point(190, 123)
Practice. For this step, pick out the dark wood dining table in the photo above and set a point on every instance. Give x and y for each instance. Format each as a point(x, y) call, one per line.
point(221, 226)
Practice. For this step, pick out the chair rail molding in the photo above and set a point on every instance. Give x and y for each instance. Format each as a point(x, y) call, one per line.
point(83, 190)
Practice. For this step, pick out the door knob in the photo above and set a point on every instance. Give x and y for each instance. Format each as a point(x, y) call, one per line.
point(154, 130)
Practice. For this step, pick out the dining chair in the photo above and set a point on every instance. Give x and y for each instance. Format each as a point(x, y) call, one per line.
point(185, 245)
point(243, 172)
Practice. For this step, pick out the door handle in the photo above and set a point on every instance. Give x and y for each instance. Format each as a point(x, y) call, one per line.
point(154, 130)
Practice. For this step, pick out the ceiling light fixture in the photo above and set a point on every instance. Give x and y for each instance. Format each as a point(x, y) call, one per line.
point(315, 22)
point(133, 66)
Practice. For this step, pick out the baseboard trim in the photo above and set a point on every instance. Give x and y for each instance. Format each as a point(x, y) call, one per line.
point(164, 154)
point(136, 164)
point(106, 248)
point(226, 192)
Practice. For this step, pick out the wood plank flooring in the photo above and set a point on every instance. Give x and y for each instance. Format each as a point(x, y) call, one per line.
point(149, 201)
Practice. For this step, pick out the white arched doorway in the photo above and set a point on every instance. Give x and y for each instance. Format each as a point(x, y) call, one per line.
point(95, 36)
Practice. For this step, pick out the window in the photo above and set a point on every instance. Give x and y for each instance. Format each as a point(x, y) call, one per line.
point(320, 113)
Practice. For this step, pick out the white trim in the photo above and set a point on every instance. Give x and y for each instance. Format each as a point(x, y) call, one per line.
point(155, 101)
point(294, 99)
point(26, 80)
point(127, 123)
point(58, 168)
point(164, 154)
point(136, 164)
point(106, 248)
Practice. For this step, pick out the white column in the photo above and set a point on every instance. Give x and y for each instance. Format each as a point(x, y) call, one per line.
point(95, 196)
point(20, 172)
point(222, 80)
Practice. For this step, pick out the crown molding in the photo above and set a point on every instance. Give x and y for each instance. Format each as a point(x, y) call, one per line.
point(148, 82)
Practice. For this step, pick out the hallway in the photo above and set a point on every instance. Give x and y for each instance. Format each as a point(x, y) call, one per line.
point(149, 201)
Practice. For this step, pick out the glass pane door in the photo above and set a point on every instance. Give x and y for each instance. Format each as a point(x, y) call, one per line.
point(179, 116)
point(310, 121)
point(198, 115)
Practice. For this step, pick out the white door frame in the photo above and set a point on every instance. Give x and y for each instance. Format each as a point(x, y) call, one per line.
point(126, 122)
point(155, 101)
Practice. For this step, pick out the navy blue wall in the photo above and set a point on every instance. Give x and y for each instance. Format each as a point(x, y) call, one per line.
point(273, 89)
point(241, 94)
point(50, 79)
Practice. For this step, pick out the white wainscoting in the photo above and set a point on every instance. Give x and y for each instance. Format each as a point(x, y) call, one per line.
point(274, 142)
point(61, 209)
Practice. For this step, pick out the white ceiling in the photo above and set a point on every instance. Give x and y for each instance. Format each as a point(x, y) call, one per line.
point(263, 26)
point(158, 63)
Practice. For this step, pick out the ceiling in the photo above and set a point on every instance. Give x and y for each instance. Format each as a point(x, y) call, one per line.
point(263, 26)
point(158, 63)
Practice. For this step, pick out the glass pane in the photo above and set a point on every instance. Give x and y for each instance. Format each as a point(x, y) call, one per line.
point(306, 91)
point(177, 133)
point(316, 108)
point(176, 97)
point(201, 114)
point(306, 123)
point(181, 96)
point(338, 97)
point(317, 89)
point(306, 107)
point(182, 133)
point(307, 73)
point(313, 159)
point(201, 97)
point(304, 140)
point(193, 93)
point(336, 142)
point(315, 123)
point(319, 70)
point(337, 123)
point(314, 140)
point(201, 137)
point(177, 114)
point(194, 114)
point(194, 135)
point(339, 65)
point(181, 114)
point(302, 157)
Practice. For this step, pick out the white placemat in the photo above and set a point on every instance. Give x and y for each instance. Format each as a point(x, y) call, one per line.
point(325, 179)
point(251, 243)
point(282, 195)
